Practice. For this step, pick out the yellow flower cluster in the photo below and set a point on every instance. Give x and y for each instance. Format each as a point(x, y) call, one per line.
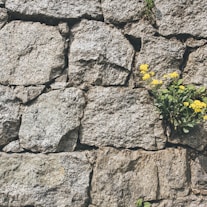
point(147, 75)
point(181, 87)
point(171, 75)
point(197, 106)
point(156, 82)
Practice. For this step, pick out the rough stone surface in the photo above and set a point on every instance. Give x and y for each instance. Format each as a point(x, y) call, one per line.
point(51, 123)
point(181, 16)
point(195, 71)
point(199, 175)
point(57, 180)
point(2, 2)
point(196, 138)
point(29, 93)
point(188, 201)
point(161, 54)
point(30, 53)
point(99, 54)
point(58, 9)
point(121, 117)
point(119, 11)
point(121, 177)
point(9, 115)
point(3, 16)
point(139, 29)
point(13, 146)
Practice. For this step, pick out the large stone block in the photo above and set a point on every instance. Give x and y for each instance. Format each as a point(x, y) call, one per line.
point(57, 9)
point(99, 55)
point(30, 53)
point(56, 180)
point(120, 177)
point(9, 116)
point(121, 117)
point(119, 11)
point(181, 17)
point(51, 124)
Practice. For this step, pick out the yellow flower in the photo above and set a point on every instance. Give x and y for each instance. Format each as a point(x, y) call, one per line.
point(152, 73)
point(146, 76)
point(181, 87)
point(197, 106)
point(156, 82)
point(174, 75)
point(165, 76)
point(205, 117)
point(144, 67)
point(186, 103)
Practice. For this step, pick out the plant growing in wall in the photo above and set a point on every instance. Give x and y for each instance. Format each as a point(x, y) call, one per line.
point(149, 5)
point(181, 106)
point(141, 203)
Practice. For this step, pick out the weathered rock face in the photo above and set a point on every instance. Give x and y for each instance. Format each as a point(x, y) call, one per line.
point(30, 53)
point(122, 118)
point(3, 16)
point(9, 116)
point(2, 2)
point(13, 146)
point(57, 9)
point(121, 177)
point(196, 139)
point(195, 70)
point(57, 180)
point(26, 94)
point(181, 16)
point(120, 11)
point(199, 175)
point(51, 123)
point(99, 55)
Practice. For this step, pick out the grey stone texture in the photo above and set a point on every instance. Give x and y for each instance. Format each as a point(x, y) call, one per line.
point(13, 146)
point(120, 177)
point(181, 17)
point(199, 175)
point(99, 55)
point(196, 138)
point(119, 11)
point(195, 70)
point(121, 117)
point(51, 124)
point(30, 53)
point(3, 16)
point(56, 180)
point(9, 116)
point(57, 9)
point(26, 94)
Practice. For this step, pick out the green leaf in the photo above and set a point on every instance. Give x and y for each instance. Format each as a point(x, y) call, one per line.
point(180, 81)
point(147, 204)
point(139, 202)
point(185, 130)
point(204, 99)
point(190, 125)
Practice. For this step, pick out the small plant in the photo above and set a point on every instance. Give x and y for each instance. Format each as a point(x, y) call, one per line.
point(149, 5)
point(141, 203)
point(181, 106)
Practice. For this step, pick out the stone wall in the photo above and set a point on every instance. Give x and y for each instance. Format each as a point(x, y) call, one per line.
point(77, 128)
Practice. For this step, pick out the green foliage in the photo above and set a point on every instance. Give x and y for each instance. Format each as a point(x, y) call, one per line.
point(181, 106)
point(149, 5)
point(140, 203)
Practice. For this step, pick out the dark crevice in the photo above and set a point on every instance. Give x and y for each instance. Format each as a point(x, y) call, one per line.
point(135, 42)
point(49, 20)
point(89, 200)
point(184, 61)
point(181, 37)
